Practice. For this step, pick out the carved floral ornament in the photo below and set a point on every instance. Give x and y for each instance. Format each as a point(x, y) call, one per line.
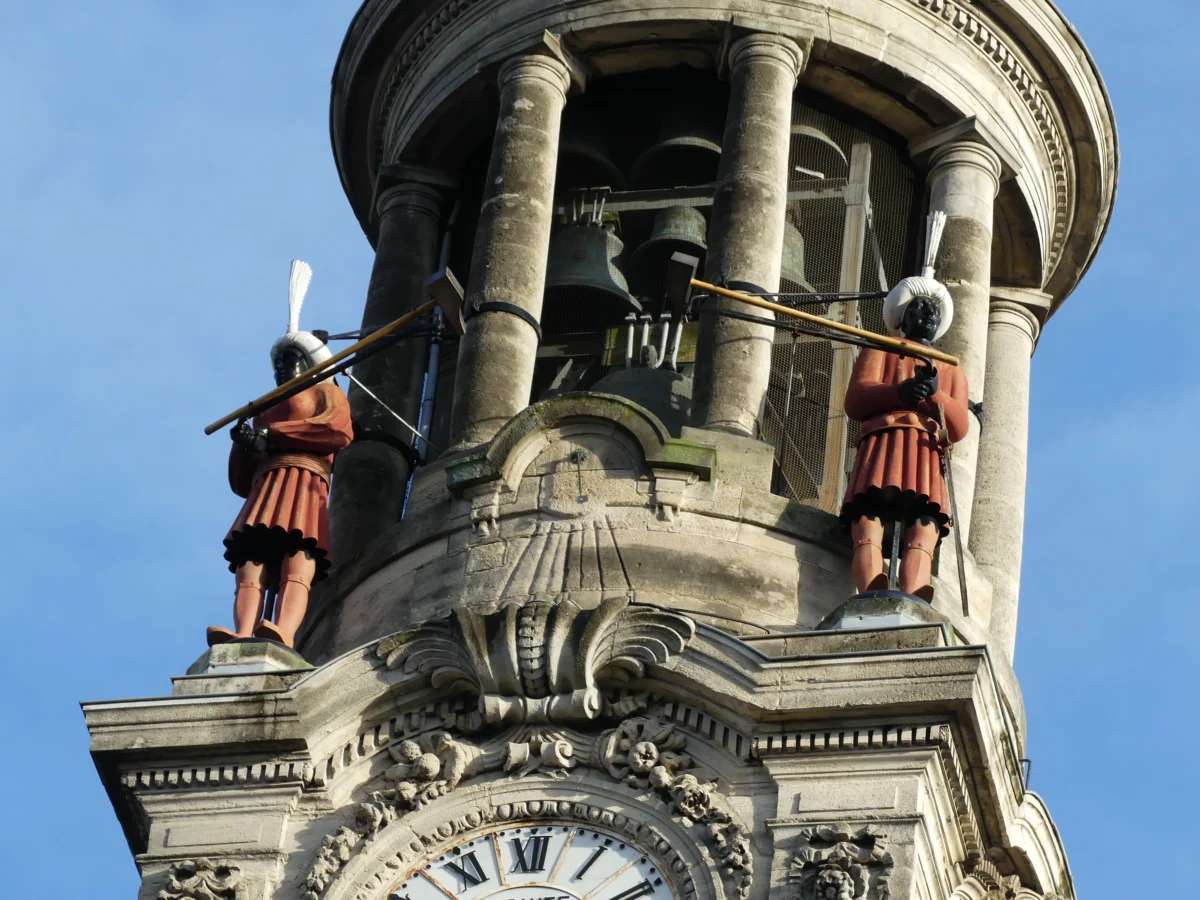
point(642, 752)
point(201, 879)
point(836, 863)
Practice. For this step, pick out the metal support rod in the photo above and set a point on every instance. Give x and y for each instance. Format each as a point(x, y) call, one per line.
point(894, 561)
point(675, 346)
point(664, 325)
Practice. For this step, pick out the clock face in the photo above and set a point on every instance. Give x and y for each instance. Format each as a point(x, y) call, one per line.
point(538, 861)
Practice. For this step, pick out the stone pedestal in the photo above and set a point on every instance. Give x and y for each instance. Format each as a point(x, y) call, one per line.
point(999, 508)
point(963, 182)
point(496, 355)
point(745, 239)
point(371, 474)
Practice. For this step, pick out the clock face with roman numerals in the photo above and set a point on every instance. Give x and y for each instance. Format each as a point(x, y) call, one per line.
point(538, 861)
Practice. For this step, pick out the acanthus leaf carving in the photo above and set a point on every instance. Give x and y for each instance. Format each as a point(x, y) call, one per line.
point(540, 661)
point(836, 863)
point(201, 879)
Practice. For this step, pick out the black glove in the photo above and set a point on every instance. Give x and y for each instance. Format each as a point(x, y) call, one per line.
point(921, 386)
point(248, 438)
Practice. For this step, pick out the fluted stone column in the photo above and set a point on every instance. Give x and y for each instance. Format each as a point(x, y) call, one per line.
point(998, 522)
point(963, 180)
point(745, 239)
point(497, 354)
point(370, 476)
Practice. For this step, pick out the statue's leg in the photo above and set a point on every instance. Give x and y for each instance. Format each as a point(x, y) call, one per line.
point(248, 597)
point(249, 586)
point(296, 574)
point(916, 563)
point(866, 568)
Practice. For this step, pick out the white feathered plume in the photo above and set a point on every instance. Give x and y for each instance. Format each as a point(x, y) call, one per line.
point(310, 345)
point(934, 226)
point(298, 282)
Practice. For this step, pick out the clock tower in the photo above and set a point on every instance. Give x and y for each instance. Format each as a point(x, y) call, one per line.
point(591, 630)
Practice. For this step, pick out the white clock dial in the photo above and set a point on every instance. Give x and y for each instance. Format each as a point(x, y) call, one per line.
point(538, 861)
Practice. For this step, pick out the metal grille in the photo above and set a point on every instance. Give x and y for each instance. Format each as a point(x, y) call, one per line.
point(850, 206)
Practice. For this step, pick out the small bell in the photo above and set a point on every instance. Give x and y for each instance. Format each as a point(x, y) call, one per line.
point(585, 287)
point(687, 153)
point(677, 229)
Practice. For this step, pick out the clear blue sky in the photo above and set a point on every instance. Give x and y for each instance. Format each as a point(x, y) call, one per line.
point(159, 165)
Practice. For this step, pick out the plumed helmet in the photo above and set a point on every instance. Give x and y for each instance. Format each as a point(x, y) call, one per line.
point(311, 346)
point(908, 290)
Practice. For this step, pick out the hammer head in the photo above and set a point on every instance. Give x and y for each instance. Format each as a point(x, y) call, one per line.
point(677, 282)
point(444, 288)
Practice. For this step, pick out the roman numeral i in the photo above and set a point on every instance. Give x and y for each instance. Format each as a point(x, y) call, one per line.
point(469, 871)
point(531, 856)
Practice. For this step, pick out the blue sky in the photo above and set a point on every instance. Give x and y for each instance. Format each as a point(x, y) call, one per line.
point(159, 165)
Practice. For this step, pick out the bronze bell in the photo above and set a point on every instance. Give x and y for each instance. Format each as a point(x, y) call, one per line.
point(584, 160)
point(677, 229)
point(585, 287)
point(687, 153)
point(791, 273)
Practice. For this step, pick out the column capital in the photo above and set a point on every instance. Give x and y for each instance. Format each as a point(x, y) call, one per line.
point(957, 154)
point(400, 186)
point(766, 47)
point(1004, 312)
point(544, 59)
point(970, 130)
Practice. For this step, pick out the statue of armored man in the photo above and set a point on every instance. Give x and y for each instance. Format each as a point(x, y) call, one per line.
point(280, 463)
point(911, 409)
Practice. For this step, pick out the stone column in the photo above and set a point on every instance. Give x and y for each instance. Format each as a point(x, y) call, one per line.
point(963, 181)
point(496, 355)
point(370, 476)
point(745, 237)
point(998, 521)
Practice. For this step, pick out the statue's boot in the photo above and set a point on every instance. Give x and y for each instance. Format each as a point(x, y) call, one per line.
point(879, 582)
point(866, 565)
point(270, 631)
point(218, 635)
point(916, 562)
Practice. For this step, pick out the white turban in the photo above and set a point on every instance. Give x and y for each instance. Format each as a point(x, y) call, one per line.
point(909, 289)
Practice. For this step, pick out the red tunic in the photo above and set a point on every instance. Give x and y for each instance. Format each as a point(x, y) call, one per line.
point(897, 473)
point(287, 490)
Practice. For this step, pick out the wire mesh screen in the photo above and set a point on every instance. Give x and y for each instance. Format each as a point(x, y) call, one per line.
point(850, 206)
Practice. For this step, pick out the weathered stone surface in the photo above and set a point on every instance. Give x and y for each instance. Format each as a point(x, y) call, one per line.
point(746, 234)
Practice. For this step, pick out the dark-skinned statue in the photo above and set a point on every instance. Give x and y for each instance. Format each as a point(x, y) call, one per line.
point(281, 464)
point(897, 476)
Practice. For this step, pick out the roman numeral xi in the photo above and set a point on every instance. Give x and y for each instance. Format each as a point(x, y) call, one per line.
point(531, 856)
point(469, 871)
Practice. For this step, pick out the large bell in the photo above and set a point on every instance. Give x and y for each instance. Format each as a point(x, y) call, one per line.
point(585, 287)
point(677, 229)
point(791, 273)
point(584, 159)
point(687, 153)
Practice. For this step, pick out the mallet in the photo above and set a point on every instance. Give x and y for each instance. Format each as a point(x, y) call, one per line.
point(446, 292)
point(681, 280)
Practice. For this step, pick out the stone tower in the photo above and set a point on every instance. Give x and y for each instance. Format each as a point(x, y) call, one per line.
point(587, 640)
